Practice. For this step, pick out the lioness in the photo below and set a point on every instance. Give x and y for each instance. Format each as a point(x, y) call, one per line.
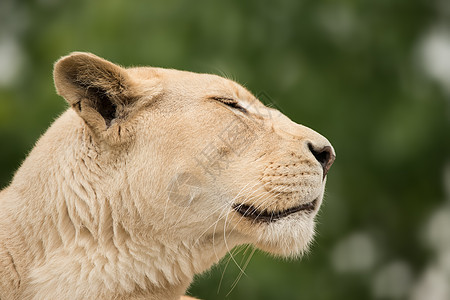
point(150, 177)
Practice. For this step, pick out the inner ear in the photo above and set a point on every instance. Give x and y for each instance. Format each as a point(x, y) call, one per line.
point(103, 104)
point(106, 108)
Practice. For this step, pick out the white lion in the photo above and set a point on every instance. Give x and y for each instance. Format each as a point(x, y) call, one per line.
point(150, 177)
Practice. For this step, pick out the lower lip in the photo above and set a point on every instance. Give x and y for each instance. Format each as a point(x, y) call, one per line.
point(268, 217)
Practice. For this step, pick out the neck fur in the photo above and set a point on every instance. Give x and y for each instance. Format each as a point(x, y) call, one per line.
point(81, 243)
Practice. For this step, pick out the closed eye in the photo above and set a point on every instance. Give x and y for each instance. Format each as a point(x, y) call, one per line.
point(231, 103)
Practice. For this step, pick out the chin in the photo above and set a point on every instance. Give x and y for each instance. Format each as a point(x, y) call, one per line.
point(289, 237)
point(287, 233)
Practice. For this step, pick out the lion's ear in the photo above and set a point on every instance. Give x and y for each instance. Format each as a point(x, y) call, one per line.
point(98, 90)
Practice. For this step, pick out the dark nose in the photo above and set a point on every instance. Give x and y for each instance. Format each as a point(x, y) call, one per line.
point(324, 156)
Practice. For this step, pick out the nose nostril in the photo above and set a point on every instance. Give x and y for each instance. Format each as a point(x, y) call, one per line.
point(324, 156)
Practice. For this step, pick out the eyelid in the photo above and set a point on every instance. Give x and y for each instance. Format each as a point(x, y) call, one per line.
point(224, 99)
point(233, 103)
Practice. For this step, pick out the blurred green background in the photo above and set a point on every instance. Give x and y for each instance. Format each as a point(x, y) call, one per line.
point(372, 76)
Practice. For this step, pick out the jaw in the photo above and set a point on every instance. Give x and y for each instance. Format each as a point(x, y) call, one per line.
point(287, 234)
point(288, 237)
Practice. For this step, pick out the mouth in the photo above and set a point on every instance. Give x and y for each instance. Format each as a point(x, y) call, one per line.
point(256, 215)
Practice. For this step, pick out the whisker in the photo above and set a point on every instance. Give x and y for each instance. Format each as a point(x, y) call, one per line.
point(236, 251)
point(226, 244)
point(256, 208)
point(242, 216)
point(225, 235)
point(225, 205)
point(274, 199)
point(236, 281)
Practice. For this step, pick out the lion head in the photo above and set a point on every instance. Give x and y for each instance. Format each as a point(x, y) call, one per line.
point(203, 158)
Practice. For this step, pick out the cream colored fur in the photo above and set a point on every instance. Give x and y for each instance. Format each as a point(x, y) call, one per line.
point(90, 214)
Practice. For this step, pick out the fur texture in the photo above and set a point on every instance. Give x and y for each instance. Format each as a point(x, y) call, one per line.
point(135, 188)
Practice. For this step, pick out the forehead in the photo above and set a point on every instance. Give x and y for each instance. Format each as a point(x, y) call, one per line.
point(195, 84)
